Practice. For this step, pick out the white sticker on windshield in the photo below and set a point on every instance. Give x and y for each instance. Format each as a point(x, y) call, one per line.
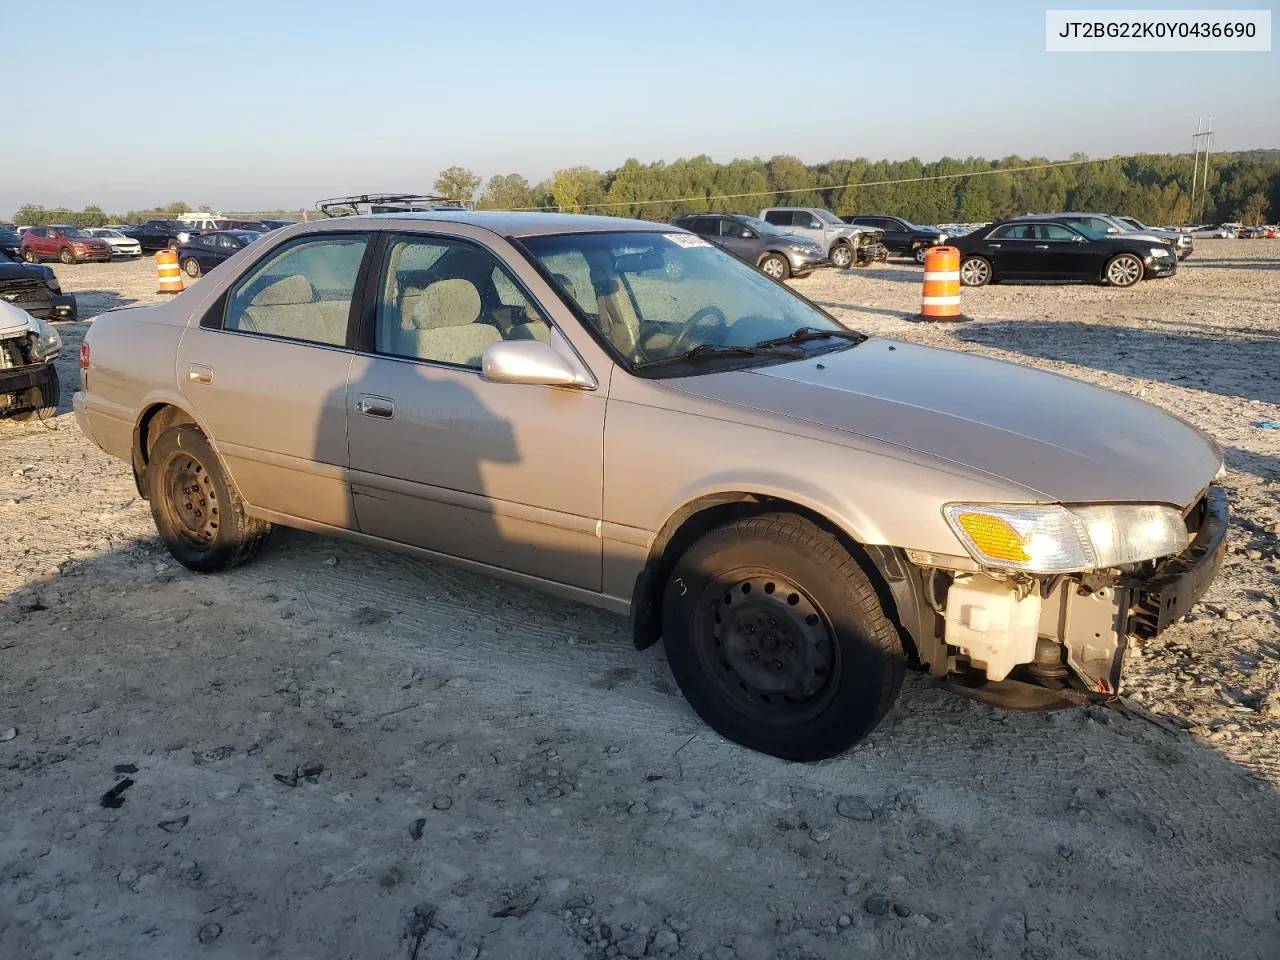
point(686, 240)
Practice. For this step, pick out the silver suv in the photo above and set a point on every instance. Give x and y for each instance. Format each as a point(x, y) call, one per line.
point(847, 245)
point(773, 250)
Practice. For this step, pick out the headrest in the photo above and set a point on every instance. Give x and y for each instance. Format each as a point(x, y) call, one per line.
point(293, 289)
point(446, 303)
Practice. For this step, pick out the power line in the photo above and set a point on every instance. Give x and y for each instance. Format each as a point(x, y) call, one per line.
point(845, 186)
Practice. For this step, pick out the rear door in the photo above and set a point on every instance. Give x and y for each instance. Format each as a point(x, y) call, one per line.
point(507, 475)
point(266, 373)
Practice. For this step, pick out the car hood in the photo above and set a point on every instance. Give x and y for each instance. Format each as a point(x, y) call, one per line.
point(1061, 439)
point(23, 271)
point(13, 319)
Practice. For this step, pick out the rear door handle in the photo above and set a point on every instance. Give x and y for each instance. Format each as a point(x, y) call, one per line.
point(383, 408)
point(199, 373)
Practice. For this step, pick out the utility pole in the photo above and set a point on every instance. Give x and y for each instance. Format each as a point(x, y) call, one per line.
point(1202, 141)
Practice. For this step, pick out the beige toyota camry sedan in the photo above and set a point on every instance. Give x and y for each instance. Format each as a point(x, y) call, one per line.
point(622, 414)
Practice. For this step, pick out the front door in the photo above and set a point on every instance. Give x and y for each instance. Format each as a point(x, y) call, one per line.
point(508, 475)
point(735, 237)
point(1067, 255)
point(267, 377)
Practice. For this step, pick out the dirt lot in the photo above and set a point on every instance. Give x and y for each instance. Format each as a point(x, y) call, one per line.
point(344, 753)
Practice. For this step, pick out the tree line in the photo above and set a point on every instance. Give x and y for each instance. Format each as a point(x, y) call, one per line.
point(1155, 188)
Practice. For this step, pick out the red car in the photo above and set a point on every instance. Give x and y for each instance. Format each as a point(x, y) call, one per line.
point(60, 242)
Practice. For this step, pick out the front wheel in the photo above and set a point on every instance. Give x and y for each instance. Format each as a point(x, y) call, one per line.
point(66, 256)
point(29, 255)
point(841, 255)
point(975, 272)
point(191, 267)
point(199, 516)
point(777, 638)
point(775, 266)
point(1124, 270)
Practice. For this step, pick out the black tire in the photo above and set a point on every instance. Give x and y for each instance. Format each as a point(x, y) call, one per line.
point(813, 606)
point(29, 256)
point(42, 401)
point(197, 513)
point(1123, 270)
point(919, 253)
point(191, 267)
point(842, 256)
point(66, 256)
point(775, 265)
point(976, 271)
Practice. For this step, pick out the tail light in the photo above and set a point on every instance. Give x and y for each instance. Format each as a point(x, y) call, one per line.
point(84, 356)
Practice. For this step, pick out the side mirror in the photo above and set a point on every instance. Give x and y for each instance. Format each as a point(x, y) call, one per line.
point(531, 362)
point(747, 234)
point(1113, 230)
point(1077, 239)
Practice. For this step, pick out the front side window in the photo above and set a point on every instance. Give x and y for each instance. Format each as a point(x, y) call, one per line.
point(444, 301)
point(653, 296)
point(228, 243)
point(733, 228)
point(1054, 231)
point(807, 220)
point(302, 291)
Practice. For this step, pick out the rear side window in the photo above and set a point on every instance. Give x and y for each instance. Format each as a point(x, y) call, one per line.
point(781, 218)
point(302, 291)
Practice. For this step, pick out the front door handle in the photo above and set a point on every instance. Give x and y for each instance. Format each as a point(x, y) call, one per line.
point(994, 246)
point(199, 373)
point(1042, 246)
point(383, 408)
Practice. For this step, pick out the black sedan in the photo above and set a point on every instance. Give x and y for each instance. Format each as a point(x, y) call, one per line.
point(201, 254)
point(902, 237)
point(1055, 250)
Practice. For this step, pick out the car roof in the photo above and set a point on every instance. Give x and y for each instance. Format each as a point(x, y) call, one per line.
point(511, 223)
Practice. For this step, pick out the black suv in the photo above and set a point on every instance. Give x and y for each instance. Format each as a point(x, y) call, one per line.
point(773, 250)
point(902, 236)
point(33, 287)
point(161, 234)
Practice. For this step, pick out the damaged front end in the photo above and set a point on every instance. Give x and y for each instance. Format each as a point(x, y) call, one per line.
point(1029, 640)
point(869, 249)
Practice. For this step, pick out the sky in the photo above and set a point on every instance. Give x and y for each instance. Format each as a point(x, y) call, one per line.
point(276, 103)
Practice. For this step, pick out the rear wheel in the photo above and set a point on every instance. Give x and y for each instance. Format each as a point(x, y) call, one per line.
point(775, 266)
point(975, 271)
point(778, 640)
point(919, 254)
point(198, 515)
point(841, 255)
point(191, 267)
point(42, 400)
point(1124, 270)
point(66, 256)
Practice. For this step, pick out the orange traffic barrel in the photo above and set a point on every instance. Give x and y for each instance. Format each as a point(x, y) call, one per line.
point(940, 301)
point(167, 268)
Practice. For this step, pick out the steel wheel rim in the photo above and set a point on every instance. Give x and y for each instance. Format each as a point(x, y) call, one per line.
point(1124, 271)
point(192, 499)
point(974, 272)
point(773, 267)
point(767, 647)
point(842, 257)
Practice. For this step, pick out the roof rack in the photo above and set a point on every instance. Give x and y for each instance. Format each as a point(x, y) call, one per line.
point(368, 203)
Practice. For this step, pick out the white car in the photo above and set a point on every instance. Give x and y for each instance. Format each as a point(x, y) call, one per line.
point(121, 246)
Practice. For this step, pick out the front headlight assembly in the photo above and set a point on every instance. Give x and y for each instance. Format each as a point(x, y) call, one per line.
point(1058, 539)
point(1161, 252)
point(47, 340)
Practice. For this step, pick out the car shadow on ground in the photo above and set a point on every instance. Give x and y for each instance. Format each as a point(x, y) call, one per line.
point(89, 303)
point(1244, 264)
point(883, 273)
point(1179, 359)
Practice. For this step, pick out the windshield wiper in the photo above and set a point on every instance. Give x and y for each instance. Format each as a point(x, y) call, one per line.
point(705, 351)
point(805, 334)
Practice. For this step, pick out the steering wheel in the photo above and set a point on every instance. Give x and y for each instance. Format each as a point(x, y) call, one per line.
point(707, 312)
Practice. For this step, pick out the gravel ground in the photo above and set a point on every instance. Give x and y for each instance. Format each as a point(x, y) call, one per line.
point(337, 752)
